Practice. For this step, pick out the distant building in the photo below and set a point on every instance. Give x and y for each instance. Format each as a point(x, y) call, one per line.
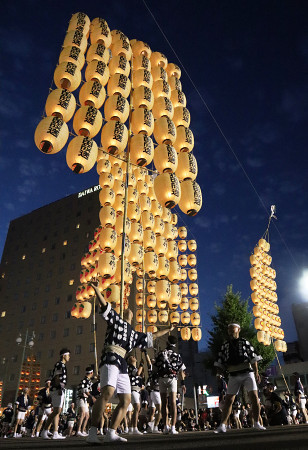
point(300, 315)
point(292, 354)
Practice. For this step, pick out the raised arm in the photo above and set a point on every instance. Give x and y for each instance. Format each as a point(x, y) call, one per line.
point(99, 295)
point(162, 332)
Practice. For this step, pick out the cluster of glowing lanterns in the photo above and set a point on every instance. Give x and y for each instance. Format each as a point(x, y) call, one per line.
point(264, 297)
point(133, 97)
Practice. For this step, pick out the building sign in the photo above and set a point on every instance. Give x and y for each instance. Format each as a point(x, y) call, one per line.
point(89, 191)
point(213, 401)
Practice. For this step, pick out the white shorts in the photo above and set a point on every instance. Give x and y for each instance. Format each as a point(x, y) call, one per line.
point(44, 412)
point(242, 379)
point(57, 399)
point(110, 376)
point(21, 415)
point(154, 399)
point(302, 402)
point(130, 408)
point(70, 423)
point(82, 403)
point(168, 385)
point(135, 397)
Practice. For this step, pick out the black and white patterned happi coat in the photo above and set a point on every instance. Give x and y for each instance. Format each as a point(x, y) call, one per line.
point(135, 379)
point(169, 364)
point(60, 370)
point(84, 387)
point(152, 382)
point(244, 353)
point(119, 332)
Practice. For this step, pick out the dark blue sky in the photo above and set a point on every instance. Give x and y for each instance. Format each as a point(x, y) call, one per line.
point(248, 60)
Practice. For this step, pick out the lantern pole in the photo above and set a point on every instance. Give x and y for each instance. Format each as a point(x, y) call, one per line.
point(94, 335)
point(143, 301)
point(125, 197)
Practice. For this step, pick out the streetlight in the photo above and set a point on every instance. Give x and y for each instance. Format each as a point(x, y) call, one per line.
point(27, 343)
point(303, 285)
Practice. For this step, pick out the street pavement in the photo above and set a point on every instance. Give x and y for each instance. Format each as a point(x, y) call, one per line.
point(274, 438)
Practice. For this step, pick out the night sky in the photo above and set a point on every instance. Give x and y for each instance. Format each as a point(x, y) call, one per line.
point(244, 73)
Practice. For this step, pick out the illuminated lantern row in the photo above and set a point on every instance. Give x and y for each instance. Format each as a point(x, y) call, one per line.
point(264, 297)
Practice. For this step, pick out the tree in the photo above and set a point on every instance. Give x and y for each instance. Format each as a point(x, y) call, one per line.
point(235, 310)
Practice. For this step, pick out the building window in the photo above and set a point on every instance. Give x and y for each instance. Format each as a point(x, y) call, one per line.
point(39, 276)
point(79, 329)
point(55, 317)
point(64, 242)
point(77, 226)
point(33, 306)
point(40, 337)
point(26, 294)
point(92, 347)
point(78, 214)
point(52, 259)
point(43, 319)
point(12, 377)
point(45, 238)
point(38, 355)
point(49, 274)
point(23, 257)
point(31, 322)
point(57, 300)
point(71, 282)
point(63, 256)
point(78, 350)
point(14, 358)
point(44, 250)
point(67, 314)
point(76, 370)
point(3, 313)
point(53, 246)
point(47, 288)
point(45, 303)
point(50, 353)
point(66, 332)
point(36, 290)
point(23, 309)
point(59, 284)
point(69, 298)
point(73, 266)
point(52, 334)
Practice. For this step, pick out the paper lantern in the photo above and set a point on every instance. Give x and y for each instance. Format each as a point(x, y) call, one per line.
point(161, 246)
point(152, 316)
point(195, 319)
point(158, 60)
point(185, 333)
point(136, 233)
point(163, 290)
point(182, 260)
point(163, 267)
point(97, 70)
point(196, 334)
point(172, 252)
point(136, 255)
point(193, 289)
point(140, 48)
point(161, 88)
point(182, 231)
point(140, 315)
point(163, 316)
point(185, 318)
point(187, 168)
point(101, 34)
point(151, 193)
point(118, 247)
point(119, 188)
point(159, 73)
point(119, 64)
point(51, 135)
point(119, 84)
point(145, 205)
point(151, 287)
point(174, 220)
point(173, 70)
point(141, 149)
point(60, 103)
point(165, 158)
point(194, 304)
point(117, 172)
point(127, 272)
point(142, 188)
point(98, 52)
point(114, 137)
point(76, 38)
point(139, 284)
point(167, 189)
point(159, 226)
point(178, 98)
point(138, 327)
point(139, 299)
point(264, 245)
point(92, 93)
point(175, 272)
point(151, 329)
point(107, 265)
point(174, 83)
point(107, 239)
point(184, 141)
point(116, 108)
point(183, 274)
point(192, 260)
point(184, 305)
point(107, 216)
point(191, 199)
point(122, 47)
point(192, 245)
point(103, 166)
point(132, 195)
point(184, 289)
point(79, 21)
point(156, 208)
point(141, 62)
point(149, 240)
point(142, 77)
point(147, 221)
point(81, 154)
point(142, 97)
point(67, 76)
point(164, 131)
point(162, 108)
point(174, 318)
point(181, 116)
point(75, 310)
point(142, 121)
point(192, 274)
point(182, 245)
point(150, 262)
point(112, 293)
point(106, 197)
point(87, 121)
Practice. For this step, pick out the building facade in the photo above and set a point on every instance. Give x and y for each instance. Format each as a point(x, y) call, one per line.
point(300, 315)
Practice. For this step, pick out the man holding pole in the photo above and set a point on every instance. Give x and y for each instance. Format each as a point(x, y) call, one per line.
point(120, 339)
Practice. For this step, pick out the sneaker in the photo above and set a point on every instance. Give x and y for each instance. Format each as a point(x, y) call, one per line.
point(93, 439)
point(166, 430)
point(221, 429)
point(84, 433)
point(79, 434)
point(49, 433)
point(156, 431)
point(56, 435)
point(114, 438)
point(173, 432)
point(45, 435)
point(136, 432)
point(258, 426)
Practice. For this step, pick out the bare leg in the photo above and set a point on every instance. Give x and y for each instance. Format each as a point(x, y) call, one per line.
point(227, 408)
point(120, 411)
point(172, 399)
point(100, 405)
point(255, 405)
